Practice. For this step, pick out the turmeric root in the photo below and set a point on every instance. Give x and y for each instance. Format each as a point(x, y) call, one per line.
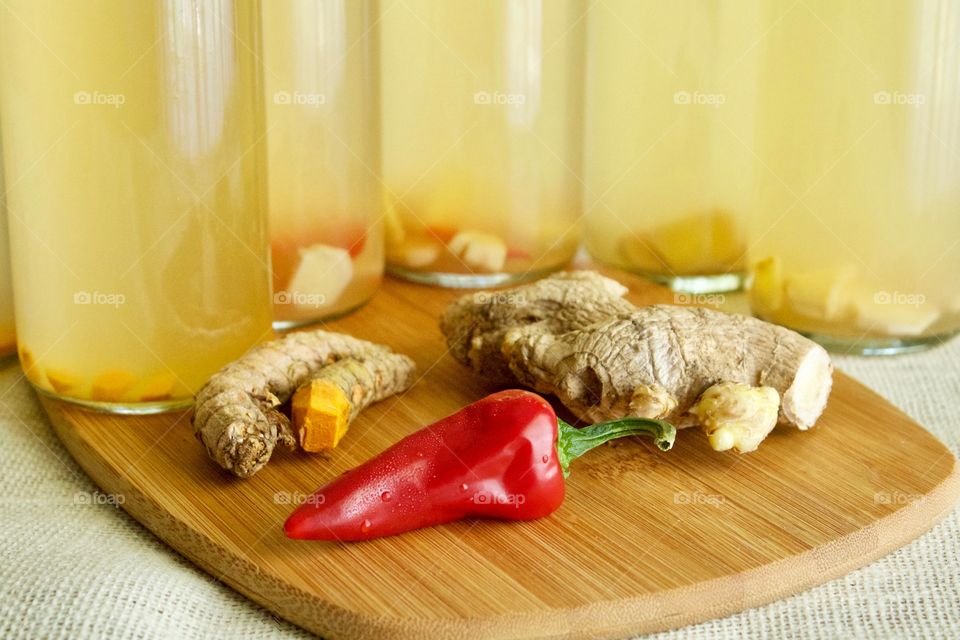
point(236, 414)
point(323, 407)
point(615, 360)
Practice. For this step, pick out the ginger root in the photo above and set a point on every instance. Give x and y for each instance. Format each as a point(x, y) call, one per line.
point(237, 413)
point(574, 336)
point(475, 325)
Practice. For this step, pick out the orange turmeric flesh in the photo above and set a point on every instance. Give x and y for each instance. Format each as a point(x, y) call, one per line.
point(321, 415)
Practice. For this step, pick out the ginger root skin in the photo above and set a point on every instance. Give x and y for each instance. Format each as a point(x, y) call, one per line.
point(476, 324)
point(236, 414)
point(678, 351)
point(609, 359)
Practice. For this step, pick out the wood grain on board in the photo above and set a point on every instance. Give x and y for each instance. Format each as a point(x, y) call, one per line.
point(644, 541)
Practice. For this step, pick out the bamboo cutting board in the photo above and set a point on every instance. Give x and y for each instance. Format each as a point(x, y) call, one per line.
point(645, 540)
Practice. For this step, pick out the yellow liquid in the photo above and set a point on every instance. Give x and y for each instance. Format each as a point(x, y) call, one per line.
point(670, 171)
point(858, 220)
point(323, 128)
point(8, 336)
point(134, 191)
point(481, 133)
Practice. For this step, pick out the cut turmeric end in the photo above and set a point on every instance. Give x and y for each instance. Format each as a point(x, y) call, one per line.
point(321, 415)
point(111, 386)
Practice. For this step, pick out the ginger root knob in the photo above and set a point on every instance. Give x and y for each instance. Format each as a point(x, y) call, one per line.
point(737, 416)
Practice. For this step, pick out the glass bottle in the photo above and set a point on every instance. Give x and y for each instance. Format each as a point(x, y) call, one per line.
point(856, 240)
point(8, 334)
point(482, 107)
point(321, 89)
point(669, 166)
point(135, 192)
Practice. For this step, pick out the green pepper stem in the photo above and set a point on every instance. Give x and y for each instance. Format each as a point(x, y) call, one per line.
point(573, 443)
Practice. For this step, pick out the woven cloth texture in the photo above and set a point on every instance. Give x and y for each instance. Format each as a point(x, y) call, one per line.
point(75, 570)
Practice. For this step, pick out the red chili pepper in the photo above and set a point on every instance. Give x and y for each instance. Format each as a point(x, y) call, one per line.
point(504, 456)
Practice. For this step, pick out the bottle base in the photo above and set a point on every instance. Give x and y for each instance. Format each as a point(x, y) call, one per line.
point(289, 325)
point(701, 283)
point(878, 346)
point(697, 284)
point(468, 280)
point(122, 408)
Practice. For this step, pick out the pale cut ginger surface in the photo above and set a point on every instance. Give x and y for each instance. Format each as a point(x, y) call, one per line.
point(574, 336)
point(737, 416)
